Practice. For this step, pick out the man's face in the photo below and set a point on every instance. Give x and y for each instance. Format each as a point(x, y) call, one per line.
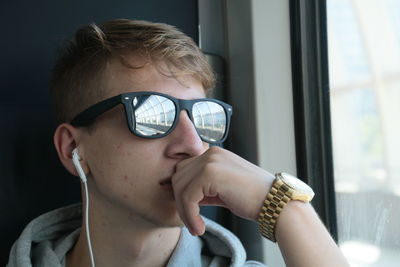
point(128, 173)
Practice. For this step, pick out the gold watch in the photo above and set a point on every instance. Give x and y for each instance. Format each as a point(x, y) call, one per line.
point(285, 188)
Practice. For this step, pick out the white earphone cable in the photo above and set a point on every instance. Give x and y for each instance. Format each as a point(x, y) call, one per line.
point(87, 225)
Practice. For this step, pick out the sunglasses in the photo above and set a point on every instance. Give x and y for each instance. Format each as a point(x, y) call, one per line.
point(155, 115)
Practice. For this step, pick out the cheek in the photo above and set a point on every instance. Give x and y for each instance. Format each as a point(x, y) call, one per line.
point(120, 161)
point(124, 165)
point(120, 178)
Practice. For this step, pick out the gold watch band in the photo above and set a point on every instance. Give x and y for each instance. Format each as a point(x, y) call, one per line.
point(279, 195)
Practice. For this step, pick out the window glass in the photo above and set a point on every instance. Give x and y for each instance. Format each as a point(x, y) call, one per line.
point(364, 70)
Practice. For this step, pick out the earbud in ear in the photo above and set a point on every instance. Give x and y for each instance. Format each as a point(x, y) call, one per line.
point(75, 159)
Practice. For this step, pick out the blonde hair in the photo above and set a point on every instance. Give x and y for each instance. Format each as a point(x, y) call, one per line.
point(77, 74)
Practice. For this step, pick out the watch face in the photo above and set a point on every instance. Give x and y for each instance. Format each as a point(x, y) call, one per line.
point(297, 184)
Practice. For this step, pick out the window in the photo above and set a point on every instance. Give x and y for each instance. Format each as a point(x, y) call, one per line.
point(364, 71)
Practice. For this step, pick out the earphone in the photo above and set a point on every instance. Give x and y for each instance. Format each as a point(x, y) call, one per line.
point(76, 161)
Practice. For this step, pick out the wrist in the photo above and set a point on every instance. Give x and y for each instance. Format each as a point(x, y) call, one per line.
point(285, 189)
point(290, 216)
point(262, 191)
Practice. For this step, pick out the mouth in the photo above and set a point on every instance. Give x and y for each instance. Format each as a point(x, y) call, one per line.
point(166, 184)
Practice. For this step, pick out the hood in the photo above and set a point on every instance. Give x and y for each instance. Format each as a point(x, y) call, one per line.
point(217, 247)
point(47, 239)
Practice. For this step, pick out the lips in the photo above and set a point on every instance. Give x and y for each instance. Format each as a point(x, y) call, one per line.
point(166, 184)
point(165, 181)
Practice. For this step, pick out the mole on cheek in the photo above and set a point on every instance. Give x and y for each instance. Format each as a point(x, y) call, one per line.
point(125, 178)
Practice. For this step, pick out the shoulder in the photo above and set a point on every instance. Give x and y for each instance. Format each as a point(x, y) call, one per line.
point(47, 238)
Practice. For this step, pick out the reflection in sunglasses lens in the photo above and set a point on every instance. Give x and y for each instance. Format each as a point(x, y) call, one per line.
point(210, 120)
point(154, 114)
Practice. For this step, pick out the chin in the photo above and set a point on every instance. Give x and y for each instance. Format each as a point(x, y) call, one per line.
point(171, 224)
point(166, 217)
point(166, 222)
point(169, 221)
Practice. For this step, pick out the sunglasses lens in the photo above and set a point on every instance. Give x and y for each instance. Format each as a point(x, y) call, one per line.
point(154, 115)
point(209, 120)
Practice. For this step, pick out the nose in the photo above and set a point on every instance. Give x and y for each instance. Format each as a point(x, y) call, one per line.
point(184, 141)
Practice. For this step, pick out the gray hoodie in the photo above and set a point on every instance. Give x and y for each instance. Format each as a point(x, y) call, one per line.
point(47, 239)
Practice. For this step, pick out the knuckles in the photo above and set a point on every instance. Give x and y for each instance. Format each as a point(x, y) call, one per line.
point(214, 154)
point(207, 165)
point(210, 169)
point(214, 150)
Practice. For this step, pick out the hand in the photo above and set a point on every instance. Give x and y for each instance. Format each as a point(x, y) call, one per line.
point(221, 178)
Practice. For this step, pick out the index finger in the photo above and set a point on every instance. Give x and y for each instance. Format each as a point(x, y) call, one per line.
point(183, 163)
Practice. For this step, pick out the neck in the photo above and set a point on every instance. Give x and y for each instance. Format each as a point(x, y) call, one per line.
point(121, 239)
point(147, 249)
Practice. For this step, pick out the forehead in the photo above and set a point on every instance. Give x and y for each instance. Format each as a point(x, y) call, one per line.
point(141, 75)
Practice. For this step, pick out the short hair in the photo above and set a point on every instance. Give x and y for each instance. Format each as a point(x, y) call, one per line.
point(77, 74)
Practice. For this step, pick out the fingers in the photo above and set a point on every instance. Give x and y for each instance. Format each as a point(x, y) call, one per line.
point(187, 162)
point(189, 210)
point(188, 194)
point(218, 177)
point(192, 185)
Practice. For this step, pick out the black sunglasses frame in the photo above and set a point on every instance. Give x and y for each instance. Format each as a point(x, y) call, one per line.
point(87, 116)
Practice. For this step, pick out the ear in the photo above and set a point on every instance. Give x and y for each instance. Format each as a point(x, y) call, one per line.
point(66, 138)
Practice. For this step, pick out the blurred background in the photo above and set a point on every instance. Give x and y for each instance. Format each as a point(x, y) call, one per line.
point(364, 70)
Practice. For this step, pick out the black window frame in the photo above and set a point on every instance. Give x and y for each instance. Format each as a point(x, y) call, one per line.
point(311, 105)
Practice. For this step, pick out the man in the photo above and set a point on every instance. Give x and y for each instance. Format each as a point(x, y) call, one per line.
point(136, 127)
